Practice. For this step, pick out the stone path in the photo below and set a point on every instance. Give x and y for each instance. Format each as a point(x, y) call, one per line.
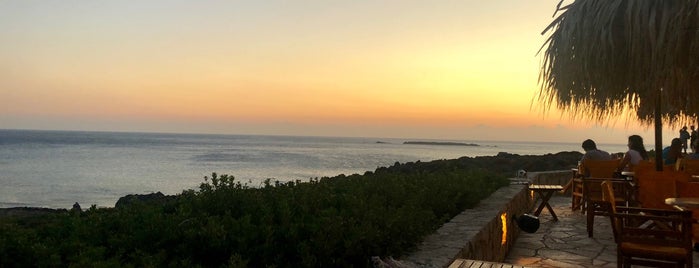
point(565, 243)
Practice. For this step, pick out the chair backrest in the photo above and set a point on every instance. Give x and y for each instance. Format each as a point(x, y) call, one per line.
point(690, 166)
point(593, 190)
point(690, 189)
point(653, 235)
point(655, 186)
point(600, 168)
point(687, 189)
point(644, 165)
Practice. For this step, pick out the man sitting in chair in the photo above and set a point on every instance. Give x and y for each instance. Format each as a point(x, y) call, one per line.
point(592, 153)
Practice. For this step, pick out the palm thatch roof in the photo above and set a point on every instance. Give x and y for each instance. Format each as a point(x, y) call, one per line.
point(608, 57)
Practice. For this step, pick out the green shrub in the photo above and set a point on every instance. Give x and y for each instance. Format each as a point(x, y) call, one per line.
point(328, 222)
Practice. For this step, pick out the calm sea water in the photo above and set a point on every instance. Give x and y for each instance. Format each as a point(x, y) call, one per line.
point(58, 168)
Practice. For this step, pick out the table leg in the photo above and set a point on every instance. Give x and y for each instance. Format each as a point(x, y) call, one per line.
point(545, 196)
point(553, 214)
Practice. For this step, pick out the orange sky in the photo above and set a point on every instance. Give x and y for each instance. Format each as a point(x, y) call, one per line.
point(459, 70)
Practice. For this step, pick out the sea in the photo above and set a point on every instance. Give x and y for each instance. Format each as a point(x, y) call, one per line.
point(55, 169)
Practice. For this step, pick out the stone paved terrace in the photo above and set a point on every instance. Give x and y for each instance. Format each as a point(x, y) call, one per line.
point(555, 244)
point(565, 243)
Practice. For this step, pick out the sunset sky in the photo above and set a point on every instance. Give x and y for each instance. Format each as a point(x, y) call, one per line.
point(457, 70)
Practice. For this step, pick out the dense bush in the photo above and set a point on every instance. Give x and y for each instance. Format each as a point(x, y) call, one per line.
point(328, 222)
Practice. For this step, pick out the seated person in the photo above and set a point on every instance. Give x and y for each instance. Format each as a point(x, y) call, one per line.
point(592, 153)
point(672, 152)
point(634, 155)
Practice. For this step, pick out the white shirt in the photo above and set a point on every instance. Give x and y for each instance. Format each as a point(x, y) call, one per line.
point(634, 157)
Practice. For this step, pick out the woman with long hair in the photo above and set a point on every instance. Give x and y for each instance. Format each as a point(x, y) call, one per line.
point(635, 154)
point(673, 152)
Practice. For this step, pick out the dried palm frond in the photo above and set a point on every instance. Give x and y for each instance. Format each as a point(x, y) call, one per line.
point(604, 57)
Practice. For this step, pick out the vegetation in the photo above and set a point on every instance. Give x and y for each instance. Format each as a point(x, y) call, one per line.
point(329, 222)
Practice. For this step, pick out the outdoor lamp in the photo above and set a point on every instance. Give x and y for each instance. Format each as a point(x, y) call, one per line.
point(526, 222)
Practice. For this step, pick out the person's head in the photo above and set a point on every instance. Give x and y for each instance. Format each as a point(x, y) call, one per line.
point(636, 144)
point(692, 127)
point(589, 145)
point(676, 144)
point(635, 141)
point(684, 128)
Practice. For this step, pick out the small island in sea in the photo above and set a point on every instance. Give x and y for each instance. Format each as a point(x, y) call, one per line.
point(440, 143)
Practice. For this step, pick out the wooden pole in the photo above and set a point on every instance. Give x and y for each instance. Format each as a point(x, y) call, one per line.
point(658, 133)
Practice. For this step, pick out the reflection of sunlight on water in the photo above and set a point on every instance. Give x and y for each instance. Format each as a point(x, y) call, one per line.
point(102, 167)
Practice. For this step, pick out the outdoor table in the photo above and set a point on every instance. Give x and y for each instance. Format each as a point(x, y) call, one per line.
point(683, 202)
point(545, 191)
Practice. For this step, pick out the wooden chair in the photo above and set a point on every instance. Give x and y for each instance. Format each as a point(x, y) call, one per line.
point(576, 195)
point(649, 237)
point(609, 198)
point(595, 205)
point(690, 189)
point(690, 166)
point(653, 237)
point(644, 165)
point(600, 168)
point(655, 186)
point(575, 185)
point(594, 169)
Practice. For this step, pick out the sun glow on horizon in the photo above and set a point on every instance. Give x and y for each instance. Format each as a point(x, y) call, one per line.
point(444, 69)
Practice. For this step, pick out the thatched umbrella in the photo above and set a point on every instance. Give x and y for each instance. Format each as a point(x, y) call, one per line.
point(606, 58)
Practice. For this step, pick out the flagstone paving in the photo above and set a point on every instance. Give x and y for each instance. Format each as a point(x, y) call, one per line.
point(565, 243)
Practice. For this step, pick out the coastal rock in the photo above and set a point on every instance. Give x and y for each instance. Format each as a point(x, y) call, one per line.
point(512, 162)
point(503, 163)
point(140, 198)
